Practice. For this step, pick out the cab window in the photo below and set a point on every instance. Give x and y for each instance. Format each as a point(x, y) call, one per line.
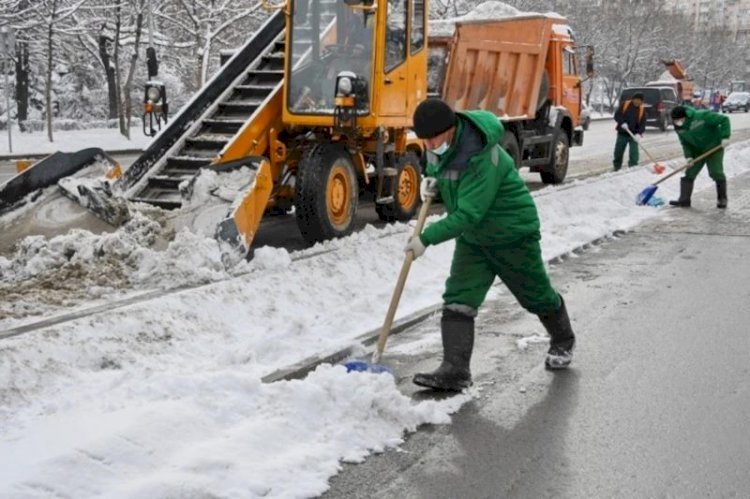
point(569, 62)
point(395, 35)
point(417, 26)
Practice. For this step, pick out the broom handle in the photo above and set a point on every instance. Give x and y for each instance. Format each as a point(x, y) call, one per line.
point(408, 259)
point(689, 164)
point(651, 158)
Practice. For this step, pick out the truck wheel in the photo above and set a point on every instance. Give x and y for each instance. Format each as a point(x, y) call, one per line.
point(326, 193)
point(557, 170)
point(509, 143)
point(406, 198)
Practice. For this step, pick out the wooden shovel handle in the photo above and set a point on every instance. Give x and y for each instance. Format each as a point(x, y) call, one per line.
point(689, 164)
point(408, 259)
point(643, 148)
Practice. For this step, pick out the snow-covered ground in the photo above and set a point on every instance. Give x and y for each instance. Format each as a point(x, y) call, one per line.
point(163, 398)
point(109, 139)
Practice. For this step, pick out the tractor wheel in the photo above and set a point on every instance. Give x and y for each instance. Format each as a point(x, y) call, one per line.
point(406, 198)
point(558, 168)
point(326, 193)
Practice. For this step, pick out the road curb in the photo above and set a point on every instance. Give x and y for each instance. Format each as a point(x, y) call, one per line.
point(304, 367)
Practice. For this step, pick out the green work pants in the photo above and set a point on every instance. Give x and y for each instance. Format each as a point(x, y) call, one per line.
point(519, 266)
point(715, 164)
point(623, 141)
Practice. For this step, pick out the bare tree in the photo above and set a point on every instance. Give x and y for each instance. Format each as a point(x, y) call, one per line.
point(138, 6)
point(54, 22)
point(201, 24)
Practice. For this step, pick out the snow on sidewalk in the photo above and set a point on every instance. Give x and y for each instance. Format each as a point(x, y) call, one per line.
point(163, 398)
point(108, 139)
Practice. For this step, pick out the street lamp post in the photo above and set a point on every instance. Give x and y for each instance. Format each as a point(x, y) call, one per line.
point(7, 44)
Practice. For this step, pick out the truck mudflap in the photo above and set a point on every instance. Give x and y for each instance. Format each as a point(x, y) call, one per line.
point(47, 172)
point(577, 138)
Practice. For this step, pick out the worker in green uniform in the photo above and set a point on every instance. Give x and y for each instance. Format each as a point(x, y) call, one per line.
point(492, 217)
point(699, 131)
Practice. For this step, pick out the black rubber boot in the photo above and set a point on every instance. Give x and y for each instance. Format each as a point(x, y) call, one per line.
point(686, 192)
point(457, 330)
point(562, 339)
point(721, 193)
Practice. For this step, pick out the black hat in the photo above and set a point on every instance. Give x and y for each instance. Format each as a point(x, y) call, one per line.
point(432, 117)
point(678, 112)
point(638, 95)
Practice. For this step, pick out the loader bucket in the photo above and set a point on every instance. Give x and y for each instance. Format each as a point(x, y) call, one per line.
point(239, 228)
point(45, 173)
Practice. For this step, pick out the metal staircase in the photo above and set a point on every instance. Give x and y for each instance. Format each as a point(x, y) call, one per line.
point(225, 108)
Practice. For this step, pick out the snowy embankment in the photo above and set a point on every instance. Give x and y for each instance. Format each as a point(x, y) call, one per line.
point(164, 399)
point(109, 139)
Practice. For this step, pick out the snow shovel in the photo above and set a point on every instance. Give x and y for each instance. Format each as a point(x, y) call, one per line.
point(658, 167)
point(646, 194)
point(374, 365)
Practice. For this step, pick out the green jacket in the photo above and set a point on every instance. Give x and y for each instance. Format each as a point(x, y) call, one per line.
point(486, 199)
point(702, 131)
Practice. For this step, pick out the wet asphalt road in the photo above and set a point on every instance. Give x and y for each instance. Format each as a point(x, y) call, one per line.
point(656, 403)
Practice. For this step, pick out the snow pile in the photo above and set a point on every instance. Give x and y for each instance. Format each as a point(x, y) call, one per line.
point(65, 270)
point(80, 265)
point(487, 10)
point(217, 434)
point(36, 255)
point(162, 398)
point(491, 10)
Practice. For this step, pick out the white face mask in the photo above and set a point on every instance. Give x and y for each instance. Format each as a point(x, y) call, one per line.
point(678, 122)
point(441, 149)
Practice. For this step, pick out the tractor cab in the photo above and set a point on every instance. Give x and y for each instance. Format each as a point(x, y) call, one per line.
point(354, 72)
point(355, 63)
point(334, 60)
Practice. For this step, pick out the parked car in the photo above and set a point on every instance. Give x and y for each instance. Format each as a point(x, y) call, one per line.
point(658, 101)
point(737, 101)
point(585, 120)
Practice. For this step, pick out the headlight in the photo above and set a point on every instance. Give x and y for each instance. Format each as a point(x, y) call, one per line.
point(153, 94)
point(345, 85)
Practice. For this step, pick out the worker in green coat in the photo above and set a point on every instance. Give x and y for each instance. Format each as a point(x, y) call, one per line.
point(700, 131)
point(492, 217)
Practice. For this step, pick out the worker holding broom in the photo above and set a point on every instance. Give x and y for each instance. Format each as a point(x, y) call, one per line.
point(631, 123)
point(493, 218)
point(700, 131)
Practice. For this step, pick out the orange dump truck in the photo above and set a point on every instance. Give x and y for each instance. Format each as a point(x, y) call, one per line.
point(679, 81)
point(525, 70)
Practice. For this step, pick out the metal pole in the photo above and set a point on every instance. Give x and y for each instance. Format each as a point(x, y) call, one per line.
point(150, 23)
point(7, 100)
point(8, 40)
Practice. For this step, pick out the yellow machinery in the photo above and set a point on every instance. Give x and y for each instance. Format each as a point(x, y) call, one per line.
point(316, 106)
point(354, 73)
